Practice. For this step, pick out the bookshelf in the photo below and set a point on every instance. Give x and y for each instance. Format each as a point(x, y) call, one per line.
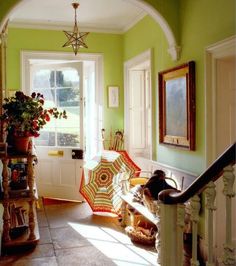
point(19, 198)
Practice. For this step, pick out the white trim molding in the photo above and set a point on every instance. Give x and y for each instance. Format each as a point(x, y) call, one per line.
point(28, 57)
point(218, 50)
point(173, 50)
point(128, 65)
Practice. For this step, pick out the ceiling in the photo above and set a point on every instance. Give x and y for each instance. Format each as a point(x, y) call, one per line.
point(115, 16)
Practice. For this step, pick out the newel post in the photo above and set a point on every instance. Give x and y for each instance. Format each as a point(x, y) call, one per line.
point(168, 232)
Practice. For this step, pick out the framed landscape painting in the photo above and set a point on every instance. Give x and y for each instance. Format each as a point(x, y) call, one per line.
point(177, 106)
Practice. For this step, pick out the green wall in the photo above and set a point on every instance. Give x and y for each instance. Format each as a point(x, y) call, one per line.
point(196, 25)
point(110, 45)
point(202, 23)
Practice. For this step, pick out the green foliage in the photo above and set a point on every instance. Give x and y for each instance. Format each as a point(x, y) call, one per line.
point(24, 115)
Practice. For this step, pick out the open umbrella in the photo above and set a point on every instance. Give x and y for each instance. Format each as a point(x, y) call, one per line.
point(100, 184)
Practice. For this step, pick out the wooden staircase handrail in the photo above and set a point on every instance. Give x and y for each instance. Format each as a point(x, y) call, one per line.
point(212, 173)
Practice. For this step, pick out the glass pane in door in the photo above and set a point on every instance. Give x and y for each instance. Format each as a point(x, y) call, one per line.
point(61, 89)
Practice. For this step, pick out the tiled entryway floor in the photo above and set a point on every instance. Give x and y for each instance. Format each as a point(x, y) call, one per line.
point(70, 234)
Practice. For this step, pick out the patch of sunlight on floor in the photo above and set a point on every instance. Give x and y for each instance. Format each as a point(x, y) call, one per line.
point(119, 236)
point(92, 232)
point(119, 252)
point(116, 245)
point(149, 255)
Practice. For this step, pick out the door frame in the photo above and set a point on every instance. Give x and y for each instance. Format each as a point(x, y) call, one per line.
point(27, 56)
point(219, 50)
point(216, 51)
point(128, 65)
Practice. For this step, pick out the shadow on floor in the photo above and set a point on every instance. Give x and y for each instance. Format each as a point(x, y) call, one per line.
point(71, 235)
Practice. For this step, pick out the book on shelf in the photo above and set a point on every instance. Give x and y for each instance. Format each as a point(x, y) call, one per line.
point(19, 193)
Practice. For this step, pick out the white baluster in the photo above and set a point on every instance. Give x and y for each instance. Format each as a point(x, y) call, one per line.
point(228, 257)
point(180, 232)
point(195, 207)
point(210, 199)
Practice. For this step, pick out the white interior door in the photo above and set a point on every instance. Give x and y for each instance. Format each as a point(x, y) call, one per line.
point(225, 136)
point(138, 107)
point(139, 112)
point(57, 174)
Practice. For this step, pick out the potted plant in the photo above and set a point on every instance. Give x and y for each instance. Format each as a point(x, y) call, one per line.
point(23, 117)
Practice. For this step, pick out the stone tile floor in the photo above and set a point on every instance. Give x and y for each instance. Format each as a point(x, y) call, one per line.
point(70, 234)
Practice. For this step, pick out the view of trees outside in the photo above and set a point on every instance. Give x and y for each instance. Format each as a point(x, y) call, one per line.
point(60, 89)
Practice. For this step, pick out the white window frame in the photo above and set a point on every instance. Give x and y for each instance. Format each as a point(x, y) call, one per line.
point(26, 57)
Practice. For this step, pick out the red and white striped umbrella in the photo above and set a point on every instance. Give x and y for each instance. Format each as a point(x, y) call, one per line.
point(100, 184)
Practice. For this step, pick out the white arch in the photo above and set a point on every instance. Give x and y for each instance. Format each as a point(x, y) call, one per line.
point(173, 50)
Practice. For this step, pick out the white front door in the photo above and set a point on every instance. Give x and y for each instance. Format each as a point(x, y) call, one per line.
point(76, 85)
point(57, 174)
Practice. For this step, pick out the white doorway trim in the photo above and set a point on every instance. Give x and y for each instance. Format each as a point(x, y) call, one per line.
point(28, 56)
point(218, 50)
point(128, 65)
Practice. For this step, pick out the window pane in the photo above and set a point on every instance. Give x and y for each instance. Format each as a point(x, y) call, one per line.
point(60, 89)
point(46, 138)
point(69, 139)
point(67, 78)
point(68, 97)
point(49, 96)
point(44, 79)
point(73, 115)
point(68, 130)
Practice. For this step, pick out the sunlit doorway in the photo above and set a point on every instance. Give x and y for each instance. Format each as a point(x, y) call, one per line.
point(71, 85)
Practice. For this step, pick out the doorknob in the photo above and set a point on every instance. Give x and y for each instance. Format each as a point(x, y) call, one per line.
point(55, 153)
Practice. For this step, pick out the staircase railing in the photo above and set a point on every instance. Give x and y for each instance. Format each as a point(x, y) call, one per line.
point(172, 215)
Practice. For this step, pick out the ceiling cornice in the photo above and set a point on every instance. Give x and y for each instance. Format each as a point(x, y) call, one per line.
point(60, 26)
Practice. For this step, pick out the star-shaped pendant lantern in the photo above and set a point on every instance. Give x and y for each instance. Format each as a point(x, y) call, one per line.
point(76, 39)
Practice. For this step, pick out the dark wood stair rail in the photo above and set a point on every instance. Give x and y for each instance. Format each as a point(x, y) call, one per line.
point(212, 173)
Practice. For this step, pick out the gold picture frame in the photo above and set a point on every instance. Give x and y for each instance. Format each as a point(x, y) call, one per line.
point(177, 106)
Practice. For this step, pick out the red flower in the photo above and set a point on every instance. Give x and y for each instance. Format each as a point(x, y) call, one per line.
point(47, 117)
point(36, 135)
point(25, 116)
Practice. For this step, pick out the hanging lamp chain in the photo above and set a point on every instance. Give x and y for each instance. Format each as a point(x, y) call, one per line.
point(75, 6)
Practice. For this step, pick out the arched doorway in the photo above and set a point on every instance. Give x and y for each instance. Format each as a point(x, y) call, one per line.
point(173, 48)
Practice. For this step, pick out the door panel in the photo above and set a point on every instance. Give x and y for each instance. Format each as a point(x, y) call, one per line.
point(59, 178)
point(139, 113)
point(57, 174)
